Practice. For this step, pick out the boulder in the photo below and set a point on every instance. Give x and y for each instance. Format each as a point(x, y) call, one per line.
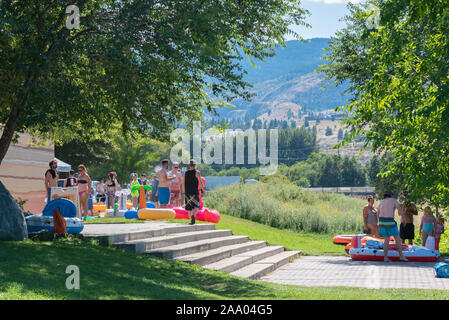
point(12, 221)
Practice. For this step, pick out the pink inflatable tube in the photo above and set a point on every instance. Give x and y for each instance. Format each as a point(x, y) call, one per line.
point(203, 214)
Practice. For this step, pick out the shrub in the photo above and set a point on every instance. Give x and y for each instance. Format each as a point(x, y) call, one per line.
point(287, 206)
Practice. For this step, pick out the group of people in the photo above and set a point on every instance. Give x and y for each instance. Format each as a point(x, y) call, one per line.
point(172, 185)
point(379, 222)
point(82, 181)
point(167, 187)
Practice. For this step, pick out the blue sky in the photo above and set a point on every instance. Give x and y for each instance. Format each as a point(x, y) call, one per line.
point(324, 18)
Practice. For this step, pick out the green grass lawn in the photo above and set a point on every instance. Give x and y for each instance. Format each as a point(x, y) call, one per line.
point(308, 243)
point(113, 220)
point(36, 270)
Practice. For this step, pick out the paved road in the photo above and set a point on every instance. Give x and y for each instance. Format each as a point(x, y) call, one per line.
point(342, 271)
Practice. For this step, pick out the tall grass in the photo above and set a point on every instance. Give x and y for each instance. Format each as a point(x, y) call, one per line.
point(287, 206)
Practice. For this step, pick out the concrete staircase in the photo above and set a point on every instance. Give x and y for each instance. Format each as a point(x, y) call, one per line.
point(203, 245)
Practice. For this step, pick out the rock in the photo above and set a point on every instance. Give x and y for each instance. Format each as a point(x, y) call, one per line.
point(12, 221)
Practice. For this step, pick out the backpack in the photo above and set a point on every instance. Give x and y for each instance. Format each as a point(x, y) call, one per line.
point(442, 270)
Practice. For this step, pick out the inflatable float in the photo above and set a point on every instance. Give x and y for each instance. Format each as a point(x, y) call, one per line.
point(368, 238)
point(44, 221)
point(373, 251)
point(345, 238)
point(131, 214)
point(155, 214)
point(99, 207)
point(203, 214)
point(145, 213)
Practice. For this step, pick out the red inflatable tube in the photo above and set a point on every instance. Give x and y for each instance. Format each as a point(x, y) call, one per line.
point(203, 214)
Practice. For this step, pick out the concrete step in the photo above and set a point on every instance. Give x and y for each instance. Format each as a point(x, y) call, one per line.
point(262, 267)
point(236, 262)
point(254, 270)
point(108, 239)
point(184, 249)
point(214, 255)
point(142, 245)
point(281, 258)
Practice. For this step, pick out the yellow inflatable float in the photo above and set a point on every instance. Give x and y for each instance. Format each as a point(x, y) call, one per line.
point(154, 214)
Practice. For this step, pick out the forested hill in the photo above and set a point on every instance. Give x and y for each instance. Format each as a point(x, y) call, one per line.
point(288, 81)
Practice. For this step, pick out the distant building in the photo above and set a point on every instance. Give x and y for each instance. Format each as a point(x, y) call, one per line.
point(214, 182)
point(22, 172)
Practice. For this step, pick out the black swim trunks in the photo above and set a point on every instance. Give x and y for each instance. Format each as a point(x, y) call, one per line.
point(192, 201)
point(407, 231)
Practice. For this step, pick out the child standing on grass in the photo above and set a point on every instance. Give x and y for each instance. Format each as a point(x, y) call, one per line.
point(427, 226)
point(439, 230)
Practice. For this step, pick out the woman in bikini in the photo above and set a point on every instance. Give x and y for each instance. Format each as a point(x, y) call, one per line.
point(111, 186)
point(84, 189)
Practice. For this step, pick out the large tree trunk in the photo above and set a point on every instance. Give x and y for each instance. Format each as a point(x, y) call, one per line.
point(8, 132)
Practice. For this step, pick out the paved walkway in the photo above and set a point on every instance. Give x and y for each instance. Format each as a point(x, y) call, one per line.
point(329, 271)
point(320, 271)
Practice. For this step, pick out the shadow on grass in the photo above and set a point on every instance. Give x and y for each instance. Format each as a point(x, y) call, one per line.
point(107, 273)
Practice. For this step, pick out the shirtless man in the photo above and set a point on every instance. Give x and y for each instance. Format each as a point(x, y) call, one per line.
point(51, 178)
point(164, 181)
point(407, 228)
point(387, 225)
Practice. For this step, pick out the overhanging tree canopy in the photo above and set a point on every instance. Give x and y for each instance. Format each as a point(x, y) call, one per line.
point(399, 76)
point(144, 64)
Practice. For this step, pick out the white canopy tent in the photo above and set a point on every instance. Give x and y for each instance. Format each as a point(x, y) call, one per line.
point(62, 166)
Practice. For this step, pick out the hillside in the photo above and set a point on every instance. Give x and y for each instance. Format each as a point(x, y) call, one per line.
point(288, 81)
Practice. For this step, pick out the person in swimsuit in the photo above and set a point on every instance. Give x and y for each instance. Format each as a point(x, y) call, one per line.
point(135, 194)
point(175, 186)
point(84, 189)
point(190, 188)
point(427, 226)
point(101, 192)
point(370, 218)
point(387, 224)
point(145, 182)
point(51, 178)
point(71, 180)
point(164, 180)
point(407, 228)
point(154, 187)
point(112, 186)
point(439, 230)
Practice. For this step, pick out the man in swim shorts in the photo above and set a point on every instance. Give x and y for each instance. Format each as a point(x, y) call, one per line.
point(190, 183)
point(407, 228)
point(164, 180)
point(387, 226)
